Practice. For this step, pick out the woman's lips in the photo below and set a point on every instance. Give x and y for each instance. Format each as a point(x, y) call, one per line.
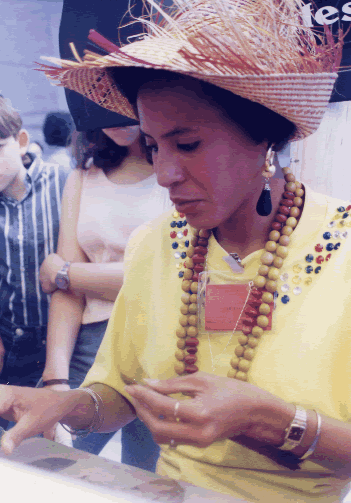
point(187, 206)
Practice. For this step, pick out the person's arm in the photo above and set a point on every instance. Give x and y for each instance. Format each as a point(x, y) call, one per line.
point(66, 309)
point(38, 410)
point(102, 281)
point(227, 408)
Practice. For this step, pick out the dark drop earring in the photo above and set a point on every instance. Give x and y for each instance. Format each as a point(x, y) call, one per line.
point(264, 203)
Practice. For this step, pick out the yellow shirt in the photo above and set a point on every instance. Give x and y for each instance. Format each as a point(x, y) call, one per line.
point(304, 359)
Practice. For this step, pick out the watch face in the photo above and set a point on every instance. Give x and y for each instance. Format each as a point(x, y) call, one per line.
point(296, 433)
point(61, 282)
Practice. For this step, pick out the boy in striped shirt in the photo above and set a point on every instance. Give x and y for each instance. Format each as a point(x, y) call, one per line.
point(29, 223)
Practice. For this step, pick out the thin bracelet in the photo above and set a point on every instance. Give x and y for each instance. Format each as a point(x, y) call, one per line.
point(98, 418)
point(51, 382)
point(315, 440)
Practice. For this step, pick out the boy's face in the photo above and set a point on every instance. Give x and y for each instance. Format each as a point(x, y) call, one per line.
point(11, 166)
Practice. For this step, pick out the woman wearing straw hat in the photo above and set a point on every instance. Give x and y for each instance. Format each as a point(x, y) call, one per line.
point(232, 328)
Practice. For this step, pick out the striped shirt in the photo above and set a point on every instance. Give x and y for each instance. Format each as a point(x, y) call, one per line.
point(28, 233)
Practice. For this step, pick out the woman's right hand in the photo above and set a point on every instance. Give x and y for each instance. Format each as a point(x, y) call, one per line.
point(35, 411)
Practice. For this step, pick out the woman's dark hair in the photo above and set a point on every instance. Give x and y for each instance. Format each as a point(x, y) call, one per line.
point(10, 119)
point(57, 129)
point(95, 144)
point(258, 122)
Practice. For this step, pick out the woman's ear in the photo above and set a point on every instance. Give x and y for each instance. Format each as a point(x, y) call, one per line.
point(23, 140)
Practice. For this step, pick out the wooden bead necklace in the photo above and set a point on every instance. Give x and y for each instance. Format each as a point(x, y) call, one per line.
point(265, 285)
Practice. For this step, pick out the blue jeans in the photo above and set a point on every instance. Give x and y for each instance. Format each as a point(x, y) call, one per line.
point(138, 447)
point(24, 355)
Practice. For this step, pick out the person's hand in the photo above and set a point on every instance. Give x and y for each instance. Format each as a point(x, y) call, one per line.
point(2, 355)
point(220, 408)
point(35, 410)
point(51, 432)
point(48, 271)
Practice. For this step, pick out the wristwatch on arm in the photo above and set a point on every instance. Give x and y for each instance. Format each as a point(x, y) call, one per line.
point(295, 431)
point(62, 278)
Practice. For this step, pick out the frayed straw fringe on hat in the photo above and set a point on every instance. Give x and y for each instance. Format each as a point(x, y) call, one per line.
point(257, 49)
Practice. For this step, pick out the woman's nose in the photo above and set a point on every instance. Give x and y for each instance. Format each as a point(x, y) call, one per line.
point(168, 171)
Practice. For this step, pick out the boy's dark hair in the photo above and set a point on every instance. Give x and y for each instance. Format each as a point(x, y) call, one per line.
point(10, 119)
point(57, 129)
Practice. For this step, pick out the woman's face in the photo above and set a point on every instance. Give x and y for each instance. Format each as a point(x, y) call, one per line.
point(123, 136)
point(208, 165)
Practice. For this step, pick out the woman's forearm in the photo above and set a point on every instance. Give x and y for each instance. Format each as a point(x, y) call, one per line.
point(333, 450)
point(65, 318)
point(116, 410)
point(102, 281)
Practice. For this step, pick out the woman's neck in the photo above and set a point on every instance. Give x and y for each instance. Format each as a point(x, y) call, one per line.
point(246, 231)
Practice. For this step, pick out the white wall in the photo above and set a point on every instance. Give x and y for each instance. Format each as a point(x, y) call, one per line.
point(28, 30)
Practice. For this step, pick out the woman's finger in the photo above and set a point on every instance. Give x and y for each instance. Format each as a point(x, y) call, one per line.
point(165, 406)
point(164, 430)
point(25, 428)
point(190, 384)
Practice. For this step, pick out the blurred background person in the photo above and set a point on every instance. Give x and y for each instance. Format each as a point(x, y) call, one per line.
point(29, 223)
point(113, 192)
point(57, 130)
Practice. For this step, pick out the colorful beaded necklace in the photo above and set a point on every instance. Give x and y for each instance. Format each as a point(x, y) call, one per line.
point(265, 285)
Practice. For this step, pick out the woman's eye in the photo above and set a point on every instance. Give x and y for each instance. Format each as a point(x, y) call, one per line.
point(188, 147)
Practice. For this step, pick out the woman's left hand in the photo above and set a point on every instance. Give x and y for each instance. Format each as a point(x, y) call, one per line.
point(48, 271)
point(220, 408)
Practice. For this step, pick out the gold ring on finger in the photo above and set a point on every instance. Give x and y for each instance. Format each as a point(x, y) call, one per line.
point(176, 408)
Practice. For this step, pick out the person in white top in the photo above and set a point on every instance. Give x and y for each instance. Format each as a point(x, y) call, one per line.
point(113, 193)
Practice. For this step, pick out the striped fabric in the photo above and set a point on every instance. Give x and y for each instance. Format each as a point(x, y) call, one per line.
point(28, 233)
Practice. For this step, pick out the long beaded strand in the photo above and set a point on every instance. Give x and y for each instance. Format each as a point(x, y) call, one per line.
point(265, 283)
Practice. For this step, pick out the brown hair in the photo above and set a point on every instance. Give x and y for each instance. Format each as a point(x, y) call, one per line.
point(10, 119)
point(95, 144)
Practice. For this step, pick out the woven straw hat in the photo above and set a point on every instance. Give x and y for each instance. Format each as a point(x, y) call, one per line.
point(257, 49)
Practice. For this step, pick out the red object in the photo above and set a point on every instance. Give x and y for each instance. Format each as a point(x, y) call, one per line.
point(348, 208)
point(200, 249)
point(254, 302)
point(198, 268)
point(318, 248)
point(248, 321)
point(190, 359)
point(185, 232)
point(288, 195)
point(173, 234)
point(195, 277)
point(184, 265)
point(328, 257)
point(182, 215)
point(102, 42)
point(284, 210)
point(257, 293)
point(281, 218)
point(198, 259)
point(191, 369)
point(251, 311)
point(276, 226)
point(287, 202)
point(246, 329)
point(191, 351)
point(320, 259)
point(191, 342)
point(202, 242)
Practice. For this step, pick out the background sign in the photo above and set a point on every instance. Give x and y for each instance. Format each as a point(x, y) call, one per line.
point(335, 14)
